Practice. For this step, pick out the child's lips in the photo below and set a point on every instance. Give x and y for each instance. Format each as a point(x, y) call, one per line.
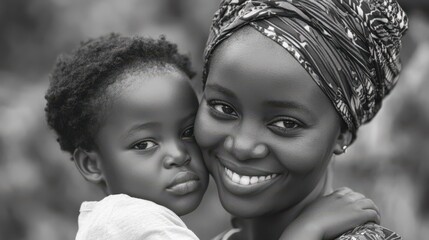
point(183, 183)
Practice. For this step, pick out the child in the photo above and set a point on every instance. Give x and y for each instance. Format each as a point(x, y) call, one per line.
point(123, 107)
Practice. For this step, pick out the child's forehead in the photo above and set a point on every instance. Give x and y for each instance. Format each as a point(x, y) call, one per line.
point(160, 89)
point(140, 91)
point(165, 99)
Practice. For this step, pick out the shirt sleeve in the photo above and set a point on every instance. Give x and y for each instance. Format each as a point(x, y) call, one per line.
point(370, 231)
point(137, 219)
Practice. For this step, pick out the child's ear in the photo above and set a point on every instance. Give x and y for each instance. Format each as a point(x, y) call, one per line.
point(88, 164)
point(343, 141)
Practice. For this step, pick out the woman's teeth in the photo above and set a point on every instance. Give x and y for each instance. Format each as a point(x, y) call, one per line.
point(247, 180)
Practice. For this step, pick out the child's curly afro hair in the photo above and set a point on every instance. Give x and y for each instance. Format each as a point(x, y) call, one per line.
point(78, 80)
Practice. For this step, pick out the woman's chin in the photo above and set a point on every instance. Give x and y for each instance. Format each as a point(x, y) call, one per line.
point(242, 208)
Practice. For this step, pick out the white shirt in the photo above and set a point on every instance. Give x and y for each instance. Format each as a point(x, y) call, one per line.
point(121, 217)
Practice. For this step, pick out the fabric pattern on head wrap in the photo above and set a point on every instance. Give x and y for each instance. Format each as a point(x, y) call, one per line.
point(349, 47)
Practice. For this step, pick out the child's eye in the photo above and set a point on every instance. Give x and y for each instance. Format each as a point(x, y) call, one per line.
point(223, 109)
point(144, 145)
point(285, 126)
point(188, 133)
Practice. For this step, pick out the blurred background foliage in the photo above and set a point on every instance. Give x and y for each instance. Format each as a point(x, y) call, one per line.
point(40, 190)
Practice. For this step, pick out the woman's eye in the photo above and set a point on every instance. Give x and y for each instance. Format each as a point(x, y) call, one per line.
point(144, 145)
point(287, 124)
point(188, 133)
point(223, 109)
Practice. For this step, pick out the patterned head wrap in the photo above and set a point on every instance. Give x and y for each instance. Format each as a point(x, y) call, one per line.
point(349, 47)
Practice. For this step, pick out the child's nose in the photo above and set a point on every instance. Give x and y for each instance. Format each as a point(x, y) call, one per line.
point(176, 155)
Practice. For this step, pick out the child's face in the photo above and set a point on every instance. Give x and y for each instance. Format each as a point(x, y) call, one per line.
point(146, 145)
point(266, 130)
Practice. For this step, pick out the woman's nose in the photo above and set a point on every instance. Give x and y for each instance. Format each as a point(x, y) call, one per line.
point(245, 147)
point(176, 155)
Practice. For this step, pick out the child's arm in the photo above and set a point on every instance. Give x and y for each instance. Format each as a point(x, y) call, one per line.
point(332, 215)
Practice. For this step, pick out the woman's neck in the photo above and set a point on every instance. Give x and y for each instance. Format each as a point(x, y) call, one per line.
point(272, 226)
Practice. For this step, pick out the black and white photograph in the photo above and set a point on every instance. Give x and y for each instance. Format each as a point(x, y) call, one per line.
point(214, 120)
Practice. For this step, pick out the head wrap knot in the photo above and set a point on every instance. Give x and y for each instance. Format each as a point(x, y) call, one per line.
point(349, 47)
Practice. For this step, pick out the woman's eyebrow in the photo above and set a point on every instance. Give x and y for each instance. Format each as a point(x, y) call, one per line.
point(221, 89)
point(287, 104)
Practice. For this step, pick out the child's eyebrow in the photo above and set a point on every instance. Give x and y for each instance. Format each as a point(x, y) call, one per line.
point(221, 89)
point(142, 126)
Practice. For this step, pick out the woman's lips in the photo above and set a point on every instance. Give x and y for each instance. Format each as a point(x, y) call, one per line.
point(243, 181)
point(248, 180)
point(246, 169)
point(184, 183)
point(245, 185)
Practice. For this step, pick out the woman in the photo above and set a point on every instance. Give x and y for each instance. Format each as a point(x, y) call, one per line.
point(287, 85)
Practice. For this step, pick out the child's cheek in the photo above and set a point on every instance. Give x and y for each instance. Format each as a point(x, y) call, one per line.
point(209, 131)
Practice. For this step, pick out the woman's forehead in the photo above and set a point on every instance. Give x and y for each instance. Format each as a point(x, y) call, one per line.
point(254, 55)
point(242, 35)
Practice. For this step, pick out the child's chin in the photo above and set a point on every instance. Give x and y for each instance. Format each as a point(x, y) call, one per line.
point(183, 210)
point(187, 206)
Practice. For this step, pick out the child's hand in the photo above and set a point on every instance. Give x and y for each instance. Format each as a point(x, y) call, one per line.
point(332, 215)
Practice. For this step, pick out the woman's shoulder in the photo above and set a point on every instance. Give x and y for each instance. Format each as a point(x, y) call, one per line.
point(370, 231)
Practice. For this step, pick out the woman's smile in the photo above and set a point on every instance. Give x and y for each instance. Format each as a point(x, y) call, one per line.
point(241, 179)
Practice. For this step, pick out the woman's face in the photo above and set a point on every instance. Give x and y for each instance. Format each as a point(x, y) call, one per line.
point(266, 130)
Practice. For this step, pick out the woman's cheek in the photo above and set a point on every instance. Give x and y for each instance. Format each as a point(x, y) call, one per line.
point(208, 130)
point(297, 158)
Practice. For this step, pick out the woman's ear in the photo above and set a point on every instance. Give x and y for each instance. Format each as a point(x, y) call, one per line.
point(343, 141)
point(89, 165)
